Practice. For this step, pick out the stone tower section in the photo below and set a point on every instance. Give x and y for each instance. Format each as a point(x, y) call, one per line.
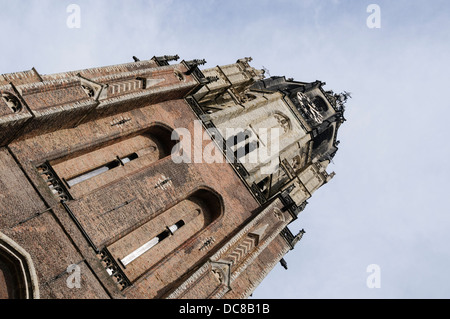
point(242, 107)
point(93, 204)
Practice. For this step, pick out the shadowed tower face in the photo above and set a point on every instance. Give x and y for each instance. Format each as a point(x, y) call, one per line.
point(89, 181)
point(16, 271)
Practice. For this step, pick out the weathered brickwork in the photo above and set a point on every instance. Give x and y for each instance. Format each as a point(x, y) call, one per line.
point(93, 205)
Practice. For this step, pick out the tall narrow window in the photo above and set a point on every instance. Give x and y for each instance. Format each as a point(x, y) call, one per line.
point(243, 143)
point(169, 231)
point(16, 281)
point(246, 149)
point(239, 137)
point(148, 245)
point(91, 168)
point(100, 170)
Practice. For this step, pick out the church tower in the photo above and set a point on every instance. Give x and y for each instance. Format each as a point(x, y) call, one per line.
point(156, 178)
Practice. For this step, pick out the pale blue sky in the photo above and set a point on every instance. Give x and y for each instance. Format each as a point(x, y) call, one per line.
point(387, 204)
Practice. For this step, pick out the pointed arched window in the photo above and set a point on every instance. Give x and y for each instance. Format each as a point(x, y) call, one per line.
point(17, 277)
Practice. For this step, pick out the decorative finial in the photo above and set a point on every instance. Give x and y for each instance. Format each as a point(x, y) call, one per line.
point(164, 60)
point(209, 79)
point(193, 64)
point(196, 62)
point(266, 71)
point(171, 57)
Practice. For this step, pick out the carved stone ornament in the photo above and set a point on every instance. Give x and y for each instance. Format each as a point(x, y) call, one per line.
point(296, 163)
point(283, 122)
point(278, 214)
point(245, 97)
point(92, 89)
point(12, 101)
point(179, 75)
point(222, 272)
point(218, 274)
point(89, 91)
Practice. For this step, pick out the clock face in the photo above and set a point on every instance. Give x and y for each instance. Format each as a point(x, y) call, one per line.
point(309, 108)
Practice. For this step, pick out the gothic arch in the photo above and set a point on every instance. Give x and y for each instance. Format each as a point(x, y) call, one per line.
point(197, 212)
point(274, 119)
point(283, 121)
point(324, 138)
point(320, 104)
point(150, 145)
point(18, 278)
point(167, 138)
